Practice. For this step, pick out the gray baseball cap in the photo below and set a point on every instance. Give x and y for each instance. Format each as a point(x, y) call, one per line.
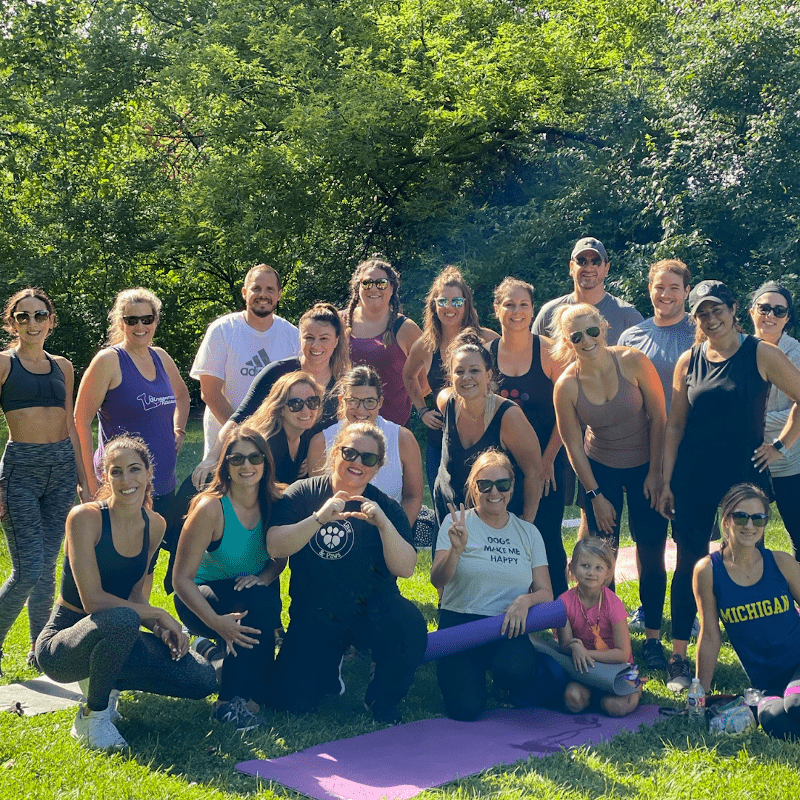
point(589, 243)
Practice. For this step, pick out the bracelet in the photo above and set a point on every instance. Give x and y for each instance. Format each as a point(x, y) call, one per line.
point(181, 431)
point(424, 411)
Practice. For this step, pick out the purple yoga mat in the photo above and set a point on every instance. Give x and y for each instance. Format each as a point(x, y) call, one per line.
point(400, 762)
point(473, 634)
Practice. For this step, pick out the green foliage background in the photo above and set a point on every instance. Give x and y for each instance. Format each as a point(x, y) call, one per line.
point(173, 143)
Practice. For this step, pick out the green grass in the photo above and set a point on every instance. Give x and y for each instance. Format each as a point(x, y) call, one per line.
point(176, 752)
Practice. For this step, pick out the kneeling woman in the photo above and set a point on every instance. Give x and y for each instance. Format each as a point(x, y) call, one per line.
point(95, 631)
point(477, 584)
point(755, 592)
point(347, 542)
point(225, 581)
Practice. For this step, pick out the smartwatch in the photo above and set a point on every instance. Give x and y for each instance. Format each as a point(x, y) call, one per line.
point(779, 445)
point(592, 493)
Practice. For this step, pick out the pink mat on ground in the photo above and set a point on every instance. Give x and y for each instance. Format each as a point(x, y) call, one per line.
point(397, 763)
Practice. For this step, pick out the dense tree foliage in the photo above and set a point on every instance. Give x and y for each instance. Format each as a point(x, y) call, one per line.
point(173, 143)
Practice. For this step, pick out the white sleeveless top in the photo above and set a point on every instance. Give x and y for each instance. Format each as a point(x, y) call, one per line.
point(389, 478)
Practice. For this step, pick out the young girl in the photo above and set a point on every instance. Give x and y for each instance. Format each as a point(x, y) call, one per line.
point(597, 628)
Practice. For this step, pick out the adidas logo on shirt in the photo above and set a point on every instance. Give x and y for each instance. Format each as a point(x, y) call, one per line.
point(256, 363)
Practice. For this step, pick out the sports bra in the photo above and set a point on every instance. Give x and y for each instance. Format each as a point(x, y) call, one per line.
point(24, 389)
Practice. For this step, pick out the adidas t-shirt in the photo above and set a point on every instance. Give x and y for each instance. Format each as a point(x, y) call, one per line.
point(236, 353)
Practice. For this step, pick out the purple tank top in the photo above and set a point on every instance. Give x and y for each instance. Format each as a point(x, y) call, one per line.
point(142, 408)
point(388, 363)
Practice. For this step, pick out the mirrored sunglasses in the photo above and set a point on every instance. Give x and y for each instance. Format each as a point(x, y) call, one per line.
point(381, 283)
point(456, 302)
point(576, 336)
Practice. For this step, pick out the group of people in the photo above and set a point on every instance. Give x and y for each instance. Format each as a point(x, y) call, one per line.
point(308, 458)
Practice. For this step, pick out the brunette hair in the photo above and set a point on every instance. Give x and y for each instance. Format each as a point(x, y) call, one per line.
point(596, 546)
point(432, 325)
point(508, 285)
point(356, 429)
point(562, 317)
point(267, 417)
point(674, 265)
point(737, 494)
point(326, 314)
point(124, 298)
point(395, 307)
point(13, 301)
point(468, 341)
point(488, 458)
point(138, 446)
point(361, 375)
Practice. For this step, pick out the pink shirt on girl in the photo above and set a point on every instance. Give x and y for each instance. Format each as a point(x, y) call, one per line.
point(606, 614)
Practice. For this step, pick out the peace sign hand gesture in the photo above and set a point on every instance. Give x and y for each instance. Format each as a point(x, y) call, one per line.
point(458, 530)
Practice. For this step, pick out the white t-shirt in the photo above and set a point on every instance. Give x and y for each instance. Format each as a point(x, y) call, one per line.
point(234, 352)
point(495, 567)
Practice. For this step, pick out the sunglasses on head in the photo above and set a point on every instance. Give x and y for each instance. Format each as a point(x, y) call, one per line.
point(24, 317)
point(582, 262)
point(456, 302)
point(381, 283)
point(295, 404)
point(740, 518)
point(351, 454)
point(779, 311)
point(354, 402)
point(237, 459)
point(576, 336)
point(146, 319)
point(485, 486)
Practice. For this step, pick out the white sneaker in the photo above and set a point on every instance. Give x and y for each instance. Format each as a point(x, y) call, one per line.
point(94, 729)
point(113, 700)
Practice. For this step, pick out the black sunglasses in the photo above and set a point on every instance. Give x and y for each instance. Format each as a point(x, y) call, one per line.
point(351, 454)
point(741, 517)
point(295, 404)
point(237, 459)
point(132, 319)
point(485, 486)
point(381, 283)
point(576, 336)
point(24, 317)
point(779, 311)
point(582, 262)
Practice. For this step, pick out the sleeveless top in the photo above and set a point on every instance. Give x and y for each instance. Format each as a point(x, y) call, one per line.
point(24, 389)
point(437, 380)
point(388, 363)
point(240, 551)
point(389, 478)
point(761, 621)
point(617, 432)
point(142, 408)
point(118, 574)
point(457, 460)
point(727, 403)
point(286, 467)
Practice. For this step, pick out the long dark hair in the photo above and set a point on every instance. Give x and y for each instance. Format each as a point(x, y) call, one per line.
point(395, 308)
point(432, 325)
point(138, 446)
point(22, 294)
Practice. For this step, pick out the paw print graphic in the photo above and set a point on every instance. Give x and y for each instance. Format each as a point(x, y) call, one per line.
point(331, 536)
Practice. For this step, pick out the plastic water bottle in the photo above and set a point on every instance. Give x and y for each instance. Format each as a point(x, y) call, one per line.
point(696, 701)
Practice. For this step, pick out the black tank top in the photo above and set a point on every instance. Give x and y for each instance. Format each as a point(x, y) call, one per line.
point(437, 380)
point(118, 574)
point(24, 389)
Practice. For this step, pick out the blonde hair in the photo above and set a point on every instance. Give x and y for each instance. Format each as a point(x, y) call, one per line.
point(488, 458)
point(596, 546)
point(124, 298)
point(562, 318)
point(352, 431)
point(267, 417)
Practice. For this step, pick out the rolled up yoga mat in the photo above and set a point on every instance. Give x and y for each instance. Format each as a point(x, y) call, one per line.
point(448, 641)
point(605, 677)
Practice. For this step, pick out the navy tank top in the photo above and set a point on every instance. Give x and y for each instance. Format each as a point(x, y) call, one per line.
point(437, 380)
point(25, 389)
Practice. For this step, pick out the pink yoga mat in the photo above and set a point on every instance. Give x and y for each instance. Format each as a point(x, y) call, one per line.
point(400, 762)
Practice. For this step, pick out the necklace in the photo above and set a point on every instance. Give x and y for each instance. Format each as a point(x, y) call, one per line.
point(599, 644)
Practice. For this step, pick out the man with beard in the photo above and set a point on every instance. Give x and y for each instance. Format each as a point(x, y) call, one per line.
point(238, 346)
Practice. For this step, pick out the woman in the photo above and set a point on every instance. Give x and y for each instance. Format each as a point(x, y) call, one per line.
point(360, 400)
point(226, 584)
point(379, 334)
point(137, 389)
point(94, 631)
point(719, 396)
point(755, 592)
point(41, 466)
point(772, 312)
point(323, 356)
point(449, 309)
point(526, 373)
point(477, 419)
point(474, 584)
point(347, 543)
point(616, 395)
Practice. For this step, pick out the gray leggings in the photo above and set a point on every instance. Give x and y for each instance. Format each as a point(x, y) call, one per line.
point(109, 648)
point(37, 486)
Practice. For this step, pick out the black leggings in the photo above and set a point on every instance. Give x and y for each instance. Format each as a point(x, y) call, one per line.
point(787, 497)
point(549, 518)
point(780, 715)
point(248, 674)
point(109, 648)
point(648, 527)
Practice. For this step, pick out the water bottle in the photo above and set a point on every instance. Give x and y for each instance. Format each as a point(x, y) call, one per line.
point(696, 701)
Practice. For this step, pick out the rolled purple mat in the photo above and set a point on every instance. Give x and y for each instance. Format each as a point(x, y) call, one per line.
point(448, 641)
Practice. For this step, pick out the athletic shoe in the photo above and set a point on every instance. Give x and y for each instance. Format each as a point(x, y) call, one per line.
point(113, 700)
point(206, 649)
point(653, 654)
point(636, 625)
point(237, 713)
point(94, 729)
point(679, 674)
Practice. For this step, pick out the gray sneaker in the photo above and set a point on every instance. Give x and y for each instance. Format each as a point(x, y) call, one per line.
point(679, 674)
point(237, 713)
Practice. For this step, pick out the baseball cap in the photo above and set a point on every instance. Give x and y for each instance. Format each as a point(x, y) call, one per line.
point(589, 243)
point(716, 291)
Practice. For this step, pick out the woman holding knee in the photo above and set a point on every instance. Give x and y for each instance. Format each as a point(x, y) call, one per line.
point(755, 592)
point(488, 562)
point(226, 584)
point(94, 631)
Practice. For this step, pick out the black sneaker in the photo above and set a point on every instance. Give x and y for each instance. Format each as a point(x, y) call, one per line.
point(653, 654)
point(236, 713)
point(680, 676)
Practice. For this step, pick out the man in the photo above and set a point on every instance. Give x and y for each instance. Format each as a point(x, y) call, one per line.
point(588, 267)
point(238, 346)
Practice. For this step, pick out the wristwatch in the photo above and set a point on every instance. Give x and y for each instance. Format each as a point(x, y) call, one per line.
point(592, 493)
point(778, 445)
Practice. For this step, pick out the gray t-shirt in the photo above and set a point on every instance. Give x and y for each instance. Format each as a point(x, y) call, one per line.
point(618, 313)
point(495, 567)
point(778, 408)
point(662, 345)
